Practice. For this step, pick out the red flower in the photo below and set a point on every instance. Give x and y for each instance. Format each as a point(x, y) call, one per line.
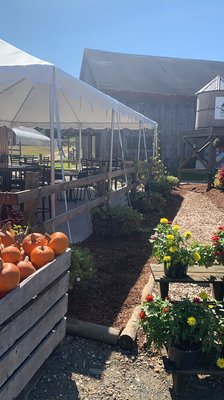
point(221, 228)
point(217, 253)
point(196, 300)
point(166, 310)
point(215, 243)
point(142, 314)
point(149, 298)
point(215, 237)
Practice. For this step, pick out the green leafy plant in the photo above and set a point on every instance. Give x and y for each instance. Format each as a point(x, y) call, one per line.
point(116, 221)
point(219, 179)
point(82, 266)
point(185, 324)
point(206, 252)
point(170, 246)
point(218, 245)
point(145, 201)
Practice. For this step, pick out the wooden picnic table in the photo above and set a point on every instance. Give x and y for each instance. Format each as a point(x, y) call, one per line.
point(213, 275)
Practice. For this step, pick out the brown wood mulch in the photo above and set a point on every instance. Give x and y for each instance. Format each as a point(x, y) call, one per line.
point(123, 264)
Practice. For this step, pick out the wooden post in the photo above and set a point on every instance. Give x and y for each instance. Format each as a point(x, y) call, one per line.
point(30, 207)
point(4, 148)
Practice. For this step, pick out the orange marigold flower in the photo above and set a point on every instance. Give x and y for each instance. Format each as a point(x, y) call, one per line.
point(166, 310)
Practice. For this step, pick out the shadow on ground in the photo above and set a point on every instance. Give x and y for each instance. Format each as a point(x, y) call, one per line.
point(122, 266)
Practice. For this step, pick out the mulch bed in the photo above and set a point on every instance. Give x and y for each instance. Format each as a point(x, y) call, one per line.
point(122, 270)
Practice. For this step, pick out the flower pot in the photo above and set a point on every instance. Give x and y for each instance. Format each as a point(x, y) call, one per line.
point(184, 358)
point(177, 270)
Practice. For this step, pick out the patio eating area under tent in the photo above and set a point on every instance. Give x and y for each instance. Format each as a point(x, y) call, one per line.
point(35, 93)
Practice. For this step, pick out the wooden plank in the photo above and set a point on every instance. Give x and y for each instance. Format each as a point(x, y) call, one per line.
point(8, 198)
point(193, 269)
point(71, 214)
point(33, 285)
point(18, 353)
point(22, 321)
point(22, 376)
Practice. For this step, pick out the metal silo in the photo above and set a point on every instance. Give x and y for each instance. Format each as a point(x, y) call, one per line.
point(210, 105)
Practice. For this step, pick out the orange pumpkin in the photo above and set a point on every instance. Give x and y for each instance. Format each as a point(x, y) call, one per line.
point(9, 277)
point(58, 242)
point(26, 268)
point(33, 240)
point(6, 234)
point(41, 255)
point(10, 254)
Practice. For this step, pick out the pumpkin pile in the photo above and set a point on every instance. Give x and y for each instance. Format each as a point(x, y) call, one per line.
point(21, 257)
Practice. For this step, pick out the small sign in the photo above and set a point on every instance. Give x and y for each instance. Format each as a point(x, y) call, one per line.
point(219, 108)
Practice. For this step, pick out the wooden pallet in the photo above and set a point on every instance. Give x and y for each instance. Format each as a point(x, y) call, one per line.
point(32, 324)
point(178, 375)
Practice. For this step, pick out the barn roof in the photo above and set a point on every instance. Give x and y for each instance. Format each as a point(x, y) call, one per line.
point(216, 84)
point(147, 74)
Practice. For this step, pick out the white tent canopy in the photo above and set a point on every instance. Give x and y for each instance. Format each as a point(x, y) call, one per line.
point(29, 137)
point(35, 93)
point(28, 85)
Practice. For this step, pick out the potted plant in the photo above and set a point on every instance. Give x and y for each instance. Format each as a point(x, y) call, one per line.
point(171, 247)
point(186, 328)
point(218, 245)
point(219, 179)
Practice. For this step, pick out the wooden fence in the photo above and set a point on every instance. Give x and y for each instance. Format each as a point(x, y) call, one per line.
point(100, 182)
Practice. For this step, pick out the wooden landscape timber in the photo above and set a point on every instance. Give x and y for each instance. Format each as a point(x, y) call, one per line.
point(92, 331)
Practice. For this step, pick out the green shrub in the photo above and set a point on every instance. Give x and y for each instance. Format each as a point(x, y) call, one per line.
point(161, 185)
point(146, 202)
point(173, 181)
point(116, 221)
point(82, 266)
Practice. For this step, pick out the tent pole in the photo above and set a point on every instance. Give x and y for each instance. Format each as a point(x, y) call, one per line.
point(111, 147)
point(139, 138)
point(80, 146)
point(52, 149)
point(145, 148)
point(122, 148)
point(61, 157)
point(155, 144)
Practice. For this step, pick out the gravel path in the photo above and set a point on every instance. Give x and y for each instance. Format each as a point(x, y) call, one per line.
point(87, 370)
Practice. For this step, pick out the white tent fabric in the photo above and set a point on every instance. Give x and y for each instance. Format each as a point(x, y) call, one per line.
point(36, 93)
point(29, 137)
point(25, 96)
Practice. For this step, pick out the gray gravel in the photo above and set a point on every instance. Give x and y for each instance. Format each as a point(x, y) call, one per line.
point(88, 370)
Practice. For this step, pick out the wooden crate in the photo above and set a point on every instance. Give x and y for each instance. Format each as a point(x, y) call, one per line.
point(32, 324)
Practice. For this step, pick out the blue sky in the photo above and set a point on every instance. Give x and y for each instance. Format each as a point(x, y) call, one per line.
point(59, 30)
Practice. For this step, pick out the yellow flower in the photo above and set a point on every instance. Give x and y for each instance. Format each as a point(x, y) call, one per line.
point(170, 237)
point(172, 249)
point(163, 220)
point(187, 234)
point(166, 258)
point(196, 256)
point(203, 295)
point(191, 321)
point(220, 362)
point(210, 306)
point(176, 227)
